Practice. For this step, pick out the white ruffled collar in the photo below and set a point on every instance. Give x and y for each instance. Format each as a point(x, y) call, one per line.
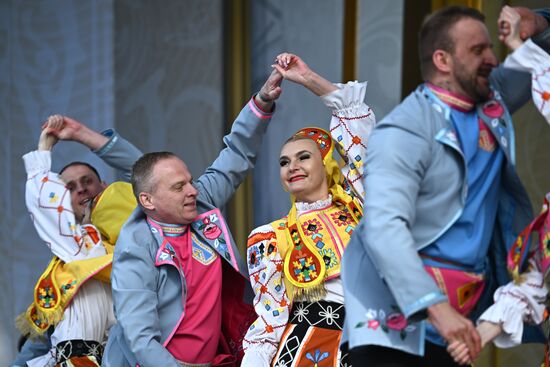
point(302, 207)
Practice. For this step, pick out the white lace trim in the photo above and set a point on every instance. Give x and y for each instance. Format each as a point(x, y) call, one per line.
point(302, 207)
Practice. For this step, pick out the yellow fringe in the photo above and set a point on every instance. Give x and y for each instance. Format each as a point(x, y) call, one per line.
point(23, 325)
point(26, 326)
point(310, 294)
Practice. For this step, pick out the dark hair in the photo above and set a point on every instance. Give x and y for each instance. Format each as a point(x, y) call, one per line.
point(435, 33)
point(77, 163)
point(142, 170)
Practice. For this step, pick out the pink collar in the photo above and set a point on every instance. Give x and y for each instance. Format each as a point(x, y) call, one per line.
point(456, 101)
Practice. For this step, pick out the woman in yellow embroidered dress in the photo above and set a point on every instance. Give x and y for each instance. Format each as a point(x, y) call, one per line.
point(294, 262)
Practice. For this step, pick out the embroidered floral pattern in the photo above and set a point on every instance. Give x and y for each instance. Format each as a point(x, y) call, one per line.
point(394, 321)
point(317, 356)
point(301, 312)
point(493, 109)
point(311, 227)
point(258, 250)
point(39, 323)
point(270, 302)
point(213, 229)
point(254, 256)
point(46, 297)
point(210, 229)
point(329, 315)
point(167, 253)
point(305, 269)
point(329, 257)
point(66, 287)
point(342, 218)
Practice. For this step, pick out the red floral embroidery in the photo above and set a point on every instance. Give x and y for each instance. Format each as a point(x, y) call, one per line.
point(211, 230)
point(493, 109)
point(311, 227)
point(396, 321)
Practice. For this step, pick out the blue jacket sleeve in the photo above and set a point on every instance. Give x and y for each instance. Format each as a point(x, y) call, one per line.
point(221, 179)
point(119, 154)
point(30, 350)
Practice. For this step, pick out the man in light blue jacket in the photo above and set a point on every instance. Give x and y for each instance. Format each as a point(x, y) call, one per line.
point(443, 200)
point(177, 275)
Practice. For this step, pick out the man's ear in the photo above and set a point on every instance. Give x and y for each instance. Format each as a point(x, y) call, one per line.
point(442, 61)
point(104, 185)
point(146, 201)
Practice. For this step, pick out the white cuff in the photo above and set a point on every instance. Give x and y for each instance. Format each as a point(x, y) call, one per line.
point(37, 161)
point(528, 57)
point(347, 99)
point(259, 355)
point(509, 315)
point(516, 304)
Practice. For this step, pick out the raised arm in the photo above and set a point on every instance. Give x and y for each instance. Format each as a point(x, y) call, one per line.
point(509, 27)
point(531, 23)
point(269, 93)
point(73, 130)
point(49, 201)
point(293, 68)
point(514, 85)
point(226, 173)
point(107, 145)
point(529, 57)
point(352, 120)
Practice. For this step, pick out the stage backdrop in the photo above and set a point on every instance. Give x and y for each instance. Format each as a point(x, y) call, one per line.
point(152, 72)
point(155, 71)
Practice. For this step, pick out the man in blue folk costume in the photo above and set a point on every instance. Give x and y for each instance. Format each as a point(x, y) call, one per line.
point(178, 279)
point(443, 201)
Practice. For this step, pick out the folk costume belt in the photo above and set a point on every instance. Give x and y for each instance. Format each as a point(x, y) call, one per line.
point(74, 348)
point(313, 334)
point(323, 314)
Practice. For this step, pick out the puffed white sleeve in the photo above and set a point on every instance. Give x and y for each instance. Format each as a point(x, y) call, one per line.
point(351, 124)
point(516, 304)
point(271, 303)
point(531, 58)
point(49, 204)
